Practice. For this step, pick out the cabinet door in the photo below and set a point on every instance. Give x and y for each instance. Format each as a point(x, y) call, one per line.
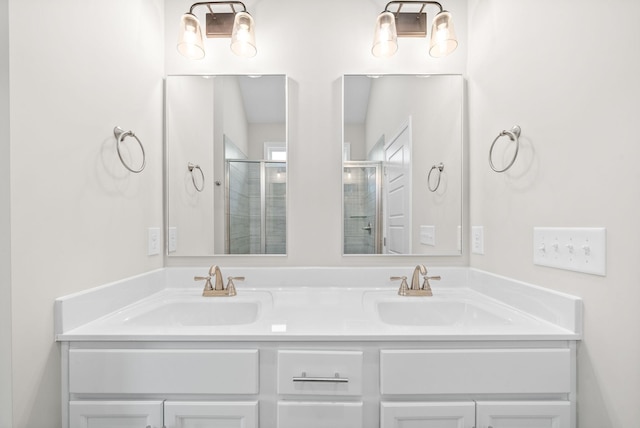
point(525, 414)
point(427, 415)
point(182, 414)
point(306, 414)
point(120, 414)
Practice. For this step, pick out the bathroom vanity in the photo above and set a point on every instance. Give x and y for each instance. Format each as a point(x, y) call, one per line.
point(318, 347)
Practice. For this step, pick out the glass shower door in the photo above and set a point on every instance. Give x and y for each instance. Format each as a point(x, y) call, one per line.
point(362, 228)
point(256, 207)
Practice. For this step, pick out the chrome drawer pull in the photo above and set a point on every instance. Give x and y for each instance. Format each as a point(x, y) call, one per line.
point(335, 379)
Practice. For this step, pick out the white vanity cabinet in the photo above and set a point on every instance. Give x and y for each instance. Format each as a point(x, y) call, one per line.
point(530, 414)
point(481, 414)
point(334, 375)
point(178, 414)
point(477, 373)
point(121, 414)
point(319, 384)
point(428, 415)
point(160, 382)
point(162, 414)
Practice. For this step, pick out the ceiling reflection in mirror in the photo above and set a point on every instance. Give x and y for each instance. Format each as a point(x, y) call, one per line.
point(226, 164)
point(402, 164)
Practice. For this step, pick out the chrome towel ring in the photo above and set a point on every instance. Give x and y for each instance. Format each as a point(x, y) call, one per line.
point(438, 168)
point(513, 135)
point(191, 167)
point(121, 134)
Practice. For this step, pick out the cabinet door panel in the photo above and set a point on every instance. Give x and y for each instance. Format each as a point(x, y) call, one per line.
point(427, 415)
point(319, 415)
point(527, 414)
point(120, 414)
point(211, 414)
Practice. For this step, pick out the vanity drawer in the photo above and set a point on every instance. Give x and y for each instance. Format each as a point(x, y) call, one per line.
point(158, 371)
point(320, 372)
point(319, 414)
point(476, 371)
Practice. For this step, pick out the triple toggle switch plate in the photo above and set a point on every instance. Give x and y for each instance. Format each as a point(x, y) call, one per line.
point(579, 249)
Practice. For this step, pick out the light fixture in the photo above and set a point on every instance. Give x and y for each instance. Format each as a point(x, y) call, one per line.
point(239, 26)
point(391, 25)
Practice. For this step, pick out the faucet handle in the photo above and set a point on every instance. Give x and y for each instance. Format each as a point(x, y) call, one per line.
point(426, 286)
point(404, 287)
point(207, 285)
point(231, 287)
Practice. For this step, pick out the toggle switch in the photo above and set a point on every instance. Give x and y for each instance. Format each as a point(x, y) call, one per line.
point(580, 249)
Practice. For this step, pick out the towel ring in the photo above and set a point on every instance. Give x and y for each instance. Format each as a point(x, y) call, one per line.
point(191, 167)
point(513, 135)
point(121, 134)
point(439, 168)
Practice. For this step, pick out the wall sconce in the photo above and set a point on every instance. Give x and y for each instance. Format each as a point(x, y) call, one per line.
point(391, 25)
point(237, 25)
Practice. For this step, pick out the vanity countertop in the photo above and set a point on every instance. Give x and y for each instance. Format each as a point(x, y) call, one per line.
point(318, 304)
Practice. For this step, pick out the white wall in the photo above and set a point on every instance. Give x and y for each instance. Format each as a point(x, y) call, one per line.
point(567, 73)
point(315, 64)
point(260, 133)
point(79, 219)
point(5, 224)
point(190, 136)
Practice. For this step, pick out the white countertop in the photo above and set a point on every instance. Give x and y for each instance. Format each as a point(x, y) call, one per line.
point(292, 307)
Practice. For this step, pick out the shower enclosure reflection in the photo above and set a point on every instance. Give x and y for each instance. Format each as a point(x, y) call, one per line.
point(362, 232)
point(256, 202)
point(226, 164)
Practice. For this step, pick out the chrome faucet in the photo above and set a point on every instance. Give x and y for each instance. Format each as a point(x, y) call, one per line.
point(218, 289)
point(416, 289)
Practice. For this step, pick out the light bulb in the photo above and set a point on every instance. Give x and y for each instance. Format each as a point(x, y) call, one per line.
point(385, 38)
point(190, 43)
point(443, 36)
point(243, 42)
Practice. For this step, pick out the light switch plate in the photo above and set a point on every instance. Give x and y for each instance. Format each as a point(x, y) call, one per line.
point(579, 249)
point(153, 235)
point(173, 239)
point(428, 235)
point(477, 239)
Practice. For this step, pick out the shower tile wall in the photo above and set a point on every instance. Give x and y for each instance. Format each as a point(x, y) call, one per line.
point(276, 203)
point(239, 208)
point(255, 209)
point(246, 210)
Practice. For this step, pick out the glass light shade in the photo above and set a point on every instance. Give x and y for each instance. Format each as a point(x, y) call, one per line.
point(243, 38)
point(190, 43)
point(385, 38)
point(443, 36)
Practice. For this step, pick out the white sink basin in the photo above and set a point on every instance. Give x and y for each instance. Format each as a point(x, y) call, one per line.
point(207, 312)
point(429, 312)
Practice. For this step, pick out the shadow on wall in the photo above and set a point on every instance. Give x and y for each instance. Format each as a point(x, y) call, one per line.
point(34, 413)
point(593, 400)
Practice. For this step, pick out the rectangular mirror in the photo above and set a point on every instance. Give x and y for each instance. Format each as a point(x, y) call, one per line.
point(402, 164)
point(226, 164)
